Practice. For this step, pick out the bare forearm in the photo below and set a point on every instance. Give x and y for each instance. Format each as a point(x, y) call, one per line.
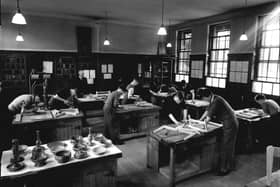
point(185, 114)
point(204, 115)
point(173, 119)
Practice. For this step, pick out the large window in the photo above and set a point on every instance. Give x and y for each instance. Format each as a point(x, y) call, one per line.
point(219, 38)
point(183, 55)
point(267, 78)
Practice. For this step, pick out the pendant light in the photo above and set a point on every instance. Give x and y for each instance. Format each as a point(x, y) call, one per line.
point(106, 41)
point(0, 13)
point(162, 30)
point(18, 18)
point(168, 45)
point(19, 37)
point(243, 36)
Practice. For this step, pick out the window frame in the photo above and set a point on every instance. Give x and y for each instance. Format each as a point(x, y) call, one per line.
point(225, 50)
point(179, 38)
point(260, 80)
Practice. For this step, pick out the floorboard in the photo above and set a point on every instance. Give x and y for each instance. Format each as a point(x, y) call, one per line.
point(132, 171)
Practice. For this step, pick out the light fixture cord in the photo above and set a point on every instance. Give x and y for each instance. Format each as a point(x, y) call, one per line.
point(106, 25)
point(0, 12)
point(162, 11)
point(245, 17)
point(18, 4)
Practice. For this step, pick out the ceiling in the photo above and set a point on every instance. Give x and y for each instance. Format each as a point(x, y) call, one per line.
point(147, 12)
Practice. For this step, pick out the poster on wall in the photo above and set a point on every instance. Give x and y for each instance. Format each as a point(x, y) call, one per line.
point(47, 67)
point(107, 76)
point(110, 68)
point(103, 68)
point(92, 73)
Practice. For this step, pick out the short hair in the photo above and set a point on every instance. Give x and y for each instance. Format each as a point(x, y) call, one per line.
point(122, 86)
point(260, 97)
point(136, 79)
point(204, 92)
point(180, 95)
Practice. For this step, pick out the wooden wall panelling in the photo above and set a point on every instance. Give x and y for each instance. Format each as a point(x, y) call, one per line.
point(66, 67)
point(67, 64)
point(88, 63)
point(14, 70)
point(162, 70)
point(239, 80)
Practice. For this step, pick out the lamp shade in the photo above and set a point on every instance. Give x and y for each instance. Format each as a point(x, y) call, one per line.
point(162, 30)
point(18, 18)
point(243, 37)
point(19, 38)
point(106, 42)
point(169, 45)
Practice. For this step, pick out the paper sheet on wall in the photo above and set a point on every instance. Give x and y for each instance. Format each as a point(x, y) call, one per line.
point(47, 66)
point(107, 76)
point(86, 74)
point(92, 73)
point(110, 68)
point(90, 81)
point(104, 68)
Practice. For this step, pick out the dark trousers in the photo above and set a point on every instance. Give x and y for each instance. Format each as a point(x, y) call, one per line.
point(111, 130)
point(227, 149)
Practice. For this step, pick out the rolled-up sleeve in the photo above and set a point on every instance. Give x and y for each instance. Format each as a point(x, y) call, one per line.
point(212, 108)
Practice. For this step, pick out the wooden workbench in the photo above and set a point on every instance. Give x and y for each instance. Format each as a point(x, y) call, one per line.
point(93, 171)
point(51, 128)
point(141, 118)
point(249, 118)
point(178, 159)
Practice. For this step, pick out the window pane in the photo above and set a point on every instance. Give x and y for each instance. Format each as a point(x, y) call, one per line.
point(274, 54)
point(222, 83)
point(221, 55)
point(209, 81)
point(267, 88)
point(257, 87)
point(276, 89)
point(272, 70)
point(227, 42)
point(215, 82)
point(271, 23)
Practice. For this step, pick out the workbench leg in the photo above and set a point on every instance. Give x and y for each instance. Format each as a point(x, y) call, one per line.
point(152, 154)
point(172, 167)
point(250, 138)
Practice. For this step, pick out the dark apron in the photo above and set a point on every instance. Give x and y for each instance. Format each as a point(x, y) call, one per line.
point(227, 157)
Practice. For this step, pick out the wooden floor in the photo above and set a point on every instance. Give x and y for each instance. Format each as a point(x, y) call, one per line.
point(132, 171)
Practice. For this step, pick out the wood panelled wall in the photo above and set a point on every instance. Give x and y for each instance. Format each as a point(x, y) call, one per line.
point(125, 66)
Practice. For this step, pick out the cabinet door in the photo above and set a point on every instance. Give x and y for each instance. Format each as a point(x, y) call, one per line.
point(13, 70)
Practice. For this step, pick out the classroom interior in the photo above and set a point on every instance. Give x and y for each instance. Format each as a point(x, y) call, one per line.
point(82, 59)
